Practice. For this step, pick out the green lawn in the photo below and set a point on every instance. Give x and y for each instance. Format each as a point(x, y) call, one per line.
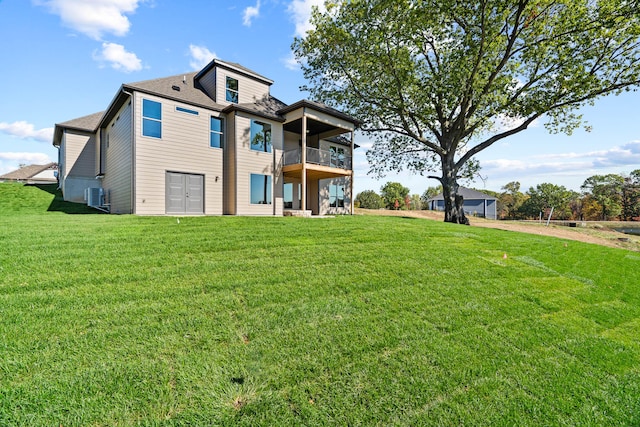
point(112, 320)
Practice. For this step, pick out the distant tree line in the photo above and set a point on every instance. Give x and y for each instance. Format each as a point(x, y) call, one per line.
point(602, 198)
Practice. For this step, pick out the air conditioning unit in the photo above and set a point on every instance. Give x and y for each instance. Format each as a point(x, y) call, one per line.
point(95, 197)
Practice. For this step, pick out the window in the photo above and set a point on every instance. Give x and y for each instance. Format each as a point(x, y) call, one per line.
point(336, 196)
point(151, 118)
point(186, 110)
point(260, 189)
point(232, 90)
point(337, 156)
point(216, 135)
point(260, 136)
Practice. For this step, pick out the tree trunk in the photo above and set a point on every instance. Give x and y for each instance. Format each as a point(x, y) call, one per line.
point(453, 202)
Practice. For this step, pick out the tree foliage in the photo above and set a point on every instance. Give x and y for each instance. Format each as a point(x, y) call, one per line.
point(429, 193)
point(439, 81)
point(606, 190)
point(510, 200)
point(369, 199)
point(394, 194)
point(546, 196)
point(630, 199)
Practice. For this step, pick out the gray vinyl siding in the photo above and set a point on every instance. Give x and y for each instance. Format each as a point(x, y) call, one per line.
point(76, 171)
point(184, 148)
point(253, 162)
point(118, 163)
point(208, 83)
point(249, 90)
point(291, 141)
point(323, 196)
point(80, 154)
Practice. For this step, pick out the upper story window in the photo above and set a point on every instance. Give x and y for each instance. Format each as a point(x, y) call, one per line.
point(260, 136)
point(337, 156)
point(232, 90)
point(216, 134)
point(151, 118)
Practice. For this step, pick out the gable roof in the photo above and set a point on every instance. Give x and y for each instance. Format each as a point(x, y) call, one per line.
point(181, 88)
point(28, 172)
point(467, 194)
point(233, 66)
point(319, 106)
point(185, 88)
point(84, 124)
point(268, 107)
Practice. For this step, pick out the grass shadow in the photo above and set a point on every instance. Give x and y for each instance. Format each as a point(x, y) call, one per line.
point(58, 204)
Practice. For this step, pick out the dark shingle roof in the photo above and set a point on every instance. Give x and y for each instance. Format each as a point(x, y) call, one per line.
point(467, 194)
point(85, 124)
point(28, 172)
point(320, 107)
point(180, 88)
point(234, 67)
point(186, 88)
point(88, 123)
point(267, 107)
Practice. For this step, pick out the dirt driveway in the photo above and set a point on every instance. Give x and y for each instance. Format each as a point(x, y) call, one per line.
point(591, 234)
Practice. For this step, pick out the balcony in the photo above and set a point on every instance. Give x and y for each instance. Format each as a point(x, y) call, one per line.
point(325, 158)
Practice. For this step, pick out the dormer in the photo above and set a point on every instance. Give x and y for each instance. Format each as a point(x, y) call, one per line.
point(229, 83)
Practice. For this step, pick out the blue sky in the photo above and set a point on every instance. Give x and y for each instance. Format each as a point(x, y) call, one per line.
point(63, 59)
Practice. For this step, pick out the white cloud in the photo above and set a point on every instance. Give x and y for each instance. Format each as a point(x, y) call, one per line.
point(250, 13)
point(504, 123)
point(10, 162)
point(24, 130)
point(200, 56)
point(565, 167)
point(627, 154)
point(119, 59)
point(290, 62)
point(300, 11)
point(94, 18)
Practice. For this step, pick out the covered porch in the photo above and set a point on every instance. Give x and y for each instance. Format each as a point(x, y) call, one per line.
point(317, 161)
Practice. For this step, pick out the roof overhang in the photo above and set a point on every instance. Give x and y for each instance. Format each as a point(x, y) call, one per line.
point(236, 68)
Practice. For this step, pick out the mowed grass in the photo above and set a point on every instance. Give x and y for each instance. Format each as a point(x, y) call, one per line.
point(120, 320)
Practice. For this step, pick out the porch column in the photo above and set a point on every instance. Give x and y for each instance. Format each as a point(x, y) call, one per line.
point(303, 157)
point(352, 196)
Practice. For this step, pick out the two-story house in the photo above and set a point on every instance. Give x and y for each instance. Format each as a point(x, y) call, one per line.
point(211, 142)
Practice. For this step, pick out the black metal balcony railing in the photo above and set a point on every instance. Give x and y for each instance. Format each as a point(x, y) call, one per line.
point(318, 157)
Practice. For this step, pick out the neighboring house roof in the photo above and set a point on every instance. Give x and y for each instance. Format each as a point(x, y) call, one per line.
point(85, 124)
point(26, 173)
point(467, 194)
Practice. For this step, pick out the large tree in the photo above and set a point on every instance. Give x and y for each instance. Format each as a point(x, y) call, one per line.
point(438, 81)
point(607, 191)
point(393, 194)
point(631, 196)
point(547, 196)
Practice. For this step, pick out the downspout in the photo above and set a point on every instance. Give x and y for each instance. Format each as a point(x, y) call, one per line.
point(133, 151)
